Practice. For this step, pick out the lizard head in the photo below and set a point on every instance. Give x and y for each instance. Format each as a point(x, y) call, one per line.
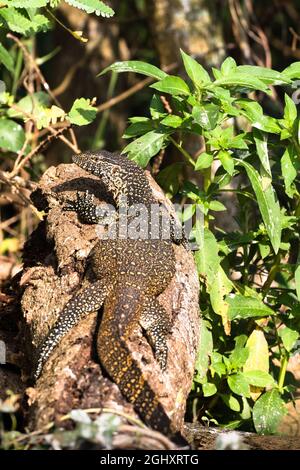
point(116, 171)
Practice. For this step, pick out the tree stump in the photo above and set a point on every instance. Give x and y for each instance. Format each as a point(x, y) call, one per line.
point(54, 269)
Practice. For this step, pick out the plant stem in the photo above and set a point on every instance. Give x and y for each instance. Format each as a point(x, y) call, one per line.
point(283, 367)
point(271, 276)
point(186, 155)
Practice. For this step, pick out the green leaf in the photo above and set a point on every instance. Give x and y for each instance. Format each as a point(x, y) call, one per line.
point(195, 71)
point(25, 3)
point(217, 206)
point(261, 142)
point(290, 111)
point(268, 205)
point(227, 161)
point(12, 135)
point(290, 166)
point(172, 121)
point(231, 402)
point(297, 281)
point(268, 411)
point(258, 378)
point(266, 75)
point(204, 161)
point(204, 352)
point(138, 128)
point(289, 337)
point(168, 178)
point(33, 104)
point(157, 109)
point(241, 80)
point(172, 85)
point(92, 6)
point(228, 66)
point(292, 71)
point(206, 115)
point(144, 148)
point(209, 389)
point(82, 112)
point(238, 357)
point(207, 258)
point(220, 288)
point(254, 113)
point(239, 385)
point(247, 307)
point(18, 22)
point(6, 59)
point(135, 66)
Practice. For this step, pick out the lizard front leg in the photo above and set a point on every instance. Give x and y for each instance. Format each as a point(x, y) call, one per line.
point(88, 300)
point(89, 212)
point(157, 325)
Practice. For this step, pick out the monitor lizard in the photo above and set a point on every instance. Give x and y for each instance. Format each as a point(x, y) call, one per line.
point(130, 274)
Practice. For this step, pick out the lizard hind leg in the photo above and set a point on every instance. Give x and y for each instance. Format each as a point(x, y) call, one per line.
point(88, 300)
point(157, 325)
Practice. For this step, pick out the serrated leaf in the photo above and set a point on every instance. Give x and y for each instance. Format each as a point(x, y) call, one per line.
point(209, 389)
point(204, 161)
point(25, 3)
point(18, 22)
point(290, 166)
point(289, 337)
point(92, 6)
point(247, 307)
point(172, 85)
point(82, 112)
point(135, 66)
point(268, 411)
point(195, 71)
point(144, 148)
point(12, 135)
point(6, 59)
point(33, 104)
point(268, 205)
point(239, 385)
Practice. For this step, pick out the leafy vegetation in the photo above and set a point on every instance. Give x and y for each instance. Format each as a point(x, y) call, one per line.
point(250, 277)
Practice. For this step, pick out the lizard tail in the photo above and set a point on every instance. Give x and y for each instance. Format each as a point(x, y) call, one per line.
point(120, 312)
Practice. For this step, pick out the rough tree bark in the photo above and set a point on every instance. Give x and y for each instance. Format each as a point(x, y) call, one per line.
point(54, 264)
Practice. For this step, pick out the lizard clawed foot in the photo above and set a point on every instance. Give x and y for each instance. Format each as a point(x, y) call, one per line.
point(82, 202)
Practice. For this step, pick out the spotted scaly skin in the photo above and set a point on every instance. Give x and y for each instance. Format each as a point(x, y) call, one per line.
point(129, 274)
